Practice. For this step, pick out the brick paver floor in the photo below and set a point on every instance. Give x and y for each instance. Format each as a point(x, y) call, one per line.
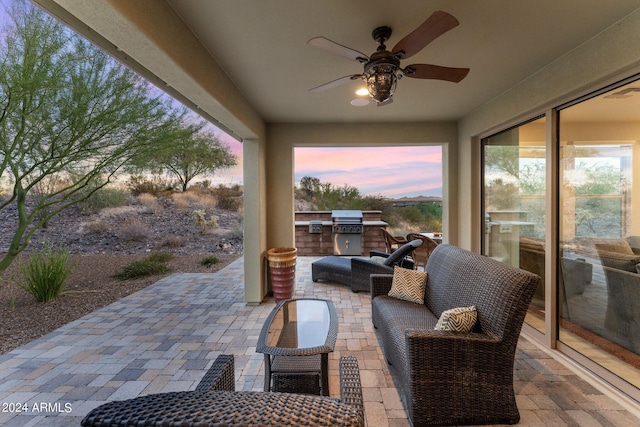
point(164, 337)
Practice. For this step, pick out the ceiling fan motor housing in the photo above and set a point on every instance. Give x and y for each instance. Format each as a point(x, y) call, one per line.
point(380, 73)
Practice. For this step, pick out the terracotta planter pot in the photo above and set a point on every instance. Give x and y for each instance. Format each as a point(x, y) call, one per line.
point(282, 264)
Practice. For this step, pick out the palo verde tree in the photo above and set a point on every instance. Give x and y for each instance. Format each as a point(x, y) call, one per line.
point(193, 152)
point(69, 114)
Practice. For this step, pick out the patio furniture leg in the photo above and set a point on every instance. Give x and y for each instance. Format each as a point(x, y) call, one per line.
point(324, 373)
point(267, 372)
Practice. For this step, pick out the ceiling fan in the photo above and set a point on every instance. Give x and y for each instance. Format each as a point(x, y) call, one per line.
point(382, 69)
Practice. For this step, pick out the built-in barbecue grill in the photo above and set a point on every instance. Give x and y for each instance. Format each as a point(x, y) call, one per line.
point(347, 232)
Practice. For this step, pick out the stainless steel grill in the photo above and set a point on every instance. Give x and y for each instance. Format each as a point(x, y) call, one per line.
point(347, 229)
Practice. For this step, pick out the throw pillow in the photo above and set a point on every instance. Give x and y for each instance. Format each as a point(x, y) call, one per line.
point(460, 319)
point(408, 285)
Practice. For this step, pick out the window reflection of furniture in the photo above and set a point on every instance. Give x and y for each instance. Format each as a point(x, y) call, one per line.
point(621, 265)
point(421, 254)
point(576, 273)
point(531, 258)
point(392, 242)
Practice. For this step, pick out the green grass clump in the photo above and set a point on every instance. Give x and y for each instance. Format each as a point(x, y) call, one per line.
point(45, 273)
point(209, 261)
point(160, 257)
point(105, 198)
point(142, 268)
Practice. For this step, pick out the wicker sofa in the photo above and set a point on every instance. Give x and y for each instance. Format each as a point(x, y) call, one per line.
point(452, 378)
point(214, 402)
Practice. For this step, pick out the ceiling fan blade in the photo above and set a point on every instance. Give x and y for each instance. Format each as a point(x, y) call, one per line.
point(428, 71)
point(331, 46)
point(334, 83)
point(436, 25)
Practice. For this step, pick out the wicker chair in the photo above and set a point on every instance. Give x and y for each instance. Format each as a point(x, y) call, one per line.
point(214, 402)
point(421, 254)
point(392, 242)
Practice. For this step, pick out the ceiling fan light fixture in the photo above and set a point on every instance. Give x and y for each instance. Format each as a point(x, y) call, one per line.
point(381, 82)
point(363, 91)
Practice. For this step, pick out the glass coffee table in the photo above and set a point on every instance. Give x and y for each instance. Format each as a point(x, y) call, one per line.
point(296, 340)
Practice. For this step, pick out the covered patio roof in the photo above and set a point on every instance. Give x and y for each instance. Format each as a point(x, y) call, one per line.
point(247, 63)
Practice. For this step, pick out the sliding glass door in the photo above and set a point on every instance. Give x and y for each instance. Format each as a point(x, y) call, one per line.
point(514, 188)
point(597, 234)
point(599, 229)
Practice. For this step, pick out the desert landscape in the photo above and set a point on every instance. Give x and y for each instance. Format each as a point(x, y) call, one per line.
point(101, 242)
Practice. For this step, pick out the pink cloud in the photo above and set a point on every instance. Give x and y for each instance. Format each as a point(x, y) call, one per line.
point(389, 171)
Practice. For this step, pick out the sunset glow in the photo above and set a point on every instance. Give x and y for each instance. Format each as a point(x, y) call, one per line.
point(387, 171)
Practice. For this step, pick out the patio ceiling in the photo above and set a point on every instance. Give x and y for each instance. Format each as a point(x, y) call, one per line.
point(263, 68)
point(261, 46)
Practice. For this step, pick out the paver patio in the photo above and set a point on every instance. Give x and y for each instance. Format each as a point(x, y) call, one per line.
point(164, 337)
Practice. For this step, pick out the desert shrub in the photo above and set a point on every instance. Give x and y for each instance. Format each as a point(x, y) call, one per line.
point(160, 257)
point(199, 216)
point(149, 201)
point(209, 261)
point(172, 241)
point(155, 185)
point(204, 184)
point(134, 231)
point(95, 227)
point(207, 201)
point(142, 268)
point(235, 234)
point(229, 198)
point(45, 273)
point(185, 199)
point(104, 198)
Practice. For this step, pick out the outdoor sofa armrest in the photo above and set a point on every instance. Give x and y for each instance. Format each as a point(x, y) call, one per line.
point(380, 284)
point(220, 376)
point(481, 361)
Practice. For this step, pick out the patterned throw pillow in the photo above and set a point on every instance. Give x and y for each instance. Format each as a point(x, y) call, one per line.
point(408, 285)
point(460, 319)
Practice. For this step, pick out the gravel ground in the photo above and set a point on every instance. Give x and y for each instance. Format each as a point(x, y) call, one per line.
point(97, 254)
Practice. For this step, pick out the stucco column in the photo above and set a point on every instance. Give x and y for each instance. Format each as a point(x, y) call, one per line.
point(255, 219)
point(280, 188)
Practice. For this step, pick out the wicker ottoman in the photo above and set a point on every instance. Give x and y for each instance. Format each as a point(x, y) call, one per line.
point(333, 269)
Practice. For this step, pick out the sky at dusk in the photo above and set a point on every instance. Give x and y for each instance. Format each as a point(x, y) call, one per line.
point(388, 171)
